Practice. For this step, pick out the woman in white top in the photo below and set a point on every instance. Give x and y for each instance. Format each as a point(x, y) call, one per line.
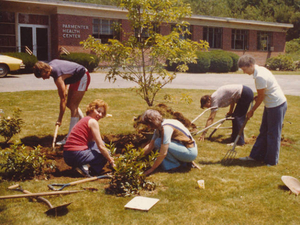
point(267, 145)
point(174, 141)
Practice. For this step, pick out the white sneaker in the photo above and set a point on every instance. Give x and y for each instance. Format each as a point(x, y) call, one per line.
point(247, 158)
point(62, 142)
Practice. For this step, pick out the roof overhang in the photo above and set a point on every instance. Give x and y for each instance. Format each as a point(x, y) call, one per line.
point(49, 7)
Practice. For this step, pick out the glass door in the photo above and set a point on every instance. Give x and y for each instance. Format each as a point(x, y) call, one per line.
point(35, 37)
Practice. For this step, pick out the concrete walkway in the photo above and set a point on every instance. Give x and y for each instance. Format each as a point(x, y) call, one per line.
point(25, 82)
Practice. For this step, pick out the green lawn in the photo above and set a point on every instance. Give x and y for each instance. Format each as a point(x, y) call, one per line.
point(240, 193)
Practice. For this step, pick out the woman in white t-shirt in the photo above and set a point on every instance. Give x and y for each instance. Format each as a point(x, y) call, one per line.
point(267, 145)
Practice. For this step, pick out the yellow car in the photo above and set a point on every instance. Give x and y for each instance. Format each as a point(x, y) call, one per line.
point(8, 64)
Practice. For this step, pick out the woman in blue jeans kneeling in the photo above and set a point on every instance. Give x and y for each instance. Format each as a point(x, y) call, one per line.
point(85, 145)
point(174, 141)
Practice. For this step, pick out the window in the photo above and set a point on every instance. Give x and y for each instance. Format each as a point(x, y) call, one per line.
point(213, 35)
point(239, 39)
point(184, 29)
point(264, 40)
point(104, 29)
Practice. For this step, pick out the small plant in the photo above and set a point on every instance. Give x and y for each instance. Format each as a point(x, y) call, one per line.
point(20, 163)
point(129, 176)
point(9, 126)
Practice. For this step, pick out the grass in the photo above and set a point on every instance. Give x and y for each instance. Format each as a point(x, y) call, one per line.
point(240, 193)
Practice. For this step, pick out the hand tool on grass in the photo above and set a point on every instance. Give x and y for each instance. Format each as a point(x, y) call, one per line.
point(54, 137)
point(292, 183)
point(62, 186)
point(232, 153)
point(39, 194)
point(58, 210)
point(218, 123)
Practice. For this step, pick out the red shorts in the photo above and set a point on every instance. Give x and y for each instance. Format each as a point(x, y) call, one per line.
point(83, 84)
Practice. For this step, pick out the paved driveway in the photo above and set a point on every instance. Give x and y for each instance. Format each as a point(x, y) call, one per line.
point(289, 83)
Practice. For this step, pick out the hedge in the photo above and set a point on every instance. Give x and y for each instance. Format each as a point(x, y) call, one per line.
point(217, 61)
point(28, 60)
point(89, 61)
point(220, 62)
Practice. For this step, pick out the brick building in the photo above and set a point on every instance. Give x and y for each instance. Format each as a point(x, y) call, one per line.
point(47, 27)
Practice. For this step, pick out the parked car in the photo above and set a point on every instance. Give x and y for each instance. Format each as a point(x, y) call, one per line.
point(8, 64)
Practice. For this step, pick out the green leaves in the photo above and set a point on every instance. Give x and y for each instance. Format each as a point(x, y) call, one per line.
point(128, 176)
point(9, 126)
point(20, 163)
point(141, 59)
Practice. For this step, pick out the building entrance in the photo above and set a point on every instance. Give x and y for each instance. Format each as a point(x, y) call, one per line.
point(34, 37)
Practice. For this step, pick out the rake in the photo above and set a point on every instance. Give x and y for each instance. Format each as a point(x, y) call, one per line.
point(230, 155)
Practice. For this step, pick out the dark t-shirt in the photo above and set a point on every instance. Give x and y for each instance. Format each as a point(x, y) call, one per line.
point(61, 67)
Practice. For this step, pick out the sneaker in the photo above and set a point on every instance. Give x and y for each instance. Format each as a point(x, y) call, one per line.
point(62, 142)
point(83, 170)
point(247, 158)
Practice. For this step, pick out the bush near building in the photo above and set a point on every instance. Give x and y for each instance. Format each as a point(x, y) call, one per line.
point(216, 61)
point(28, 60)
point(89, 61)
point(281, 62)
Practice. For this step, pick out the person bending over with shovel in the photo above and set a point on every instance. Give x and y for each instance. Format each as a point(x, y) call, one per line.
point(267, 144)
point(85, 145)
point(64, 73)
point(234, 95)
point(174, 141)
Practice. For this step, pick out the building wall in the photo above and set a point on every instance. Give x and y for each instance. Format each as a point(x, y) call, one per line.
point(67, 28)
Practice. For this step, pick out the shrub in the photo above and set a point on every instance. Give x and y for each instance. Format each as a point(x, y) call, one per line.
point(292, 46)
point(203, 63)
point(129, 176)
point(9, 126)
point(220, 61)
point(89, 61)
point(235, 59)
point(20, 163)
point(280, 62)
point(28, 60)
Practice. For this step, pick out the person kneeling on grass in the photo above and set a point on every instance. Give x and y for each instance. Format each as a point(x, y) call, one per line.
point(85, 145)
point(174, 141)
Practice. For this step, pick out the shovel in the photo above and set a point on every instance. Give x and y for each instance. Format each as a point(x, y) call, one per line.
point(58, 210)
point(62, 186)
point(54, 137)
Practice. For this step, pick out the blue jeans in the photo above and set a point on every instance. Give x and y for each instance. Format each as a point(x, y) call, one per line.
point(177, 154)
point(267, 145)
point(91, 156)
point(239, 114)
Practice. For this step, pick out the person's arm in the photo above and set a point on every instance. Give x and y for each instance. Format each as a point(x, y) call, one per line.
point(61, 88)
point(162, 154)
point(230, 109)
point(149, 147)
point(209, 121)
point(258, 100)
point(94, 126)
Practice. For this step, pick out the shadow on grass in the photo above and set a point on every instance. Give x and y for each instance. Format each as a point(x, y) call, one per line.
point(45, 141)
point(234, 162)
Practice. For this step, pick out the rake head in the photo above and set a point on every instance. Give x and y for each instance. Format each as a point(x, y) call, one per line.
point(230, 155)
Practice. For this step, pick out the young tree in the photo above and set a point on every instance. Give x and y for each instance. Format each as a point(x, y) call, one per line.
point(142, 58)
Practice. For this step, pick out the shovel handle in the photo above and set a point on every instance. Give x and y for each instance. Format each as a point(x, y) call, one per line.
point(38, 194)
point(55, 135)
point(62, 186)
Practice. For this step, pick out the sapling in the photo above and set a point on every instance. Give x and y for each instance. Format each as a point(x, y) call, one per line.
point(128, 177)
